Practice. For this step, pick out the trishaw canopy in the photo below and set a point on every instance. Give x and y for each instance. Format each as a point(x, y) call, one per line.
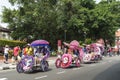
point(40, 43)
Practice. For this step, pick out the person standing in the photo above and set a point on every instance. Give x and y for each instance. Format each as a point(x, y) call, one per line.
point(16, 52)
point(6, 49)
point(85, 49)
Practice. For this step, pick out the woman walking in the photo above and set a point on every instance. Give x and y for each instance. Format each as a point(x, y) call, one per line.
point(6, 49)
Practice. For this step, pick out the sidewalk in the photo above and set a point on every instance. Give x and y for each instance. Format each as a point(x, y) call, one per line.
point(10, 65)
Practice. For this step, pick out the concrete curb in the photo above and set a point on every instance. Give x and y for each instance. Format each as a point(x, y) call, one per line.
point(13, 66)
point(8, 67)
point(4, 68)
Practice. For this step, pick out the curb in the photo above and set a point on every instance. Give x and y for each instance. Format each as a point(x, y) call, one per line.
point(4, 68)
point(13, 66)
point(8, 67)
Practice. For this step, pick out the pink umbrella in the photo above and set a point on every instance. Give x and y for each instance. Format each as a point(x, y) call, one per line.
point(74, 43)
point(93, 45)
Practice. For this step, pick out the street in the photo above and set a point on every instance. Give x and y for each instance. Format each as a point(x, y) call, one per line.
point(107, 69)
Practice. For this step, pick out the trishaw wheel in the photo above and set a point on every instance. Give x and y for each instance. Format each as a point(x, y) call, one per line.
point(58, 63)
point(78, 61)
point(44, 66)
point(87, 58)
point(19, 67)
point(65, 62)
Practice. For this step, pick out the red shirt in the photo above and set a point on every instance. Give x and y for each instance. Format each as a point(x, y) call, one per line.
point(16, 51)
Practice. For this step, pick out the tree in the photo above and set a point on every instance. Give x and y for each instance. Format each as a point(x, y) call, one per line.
point(73, 15)
point(32, 18)
point(62, 19)
point(107, 20)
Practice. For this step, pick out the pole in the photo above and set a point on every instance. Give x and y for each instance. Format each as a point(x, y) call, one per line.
point(65, 35)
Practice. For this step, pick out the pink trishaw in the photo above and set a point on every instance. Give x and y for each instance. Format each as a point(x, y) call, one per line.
point(73, 56)
point(94, 52)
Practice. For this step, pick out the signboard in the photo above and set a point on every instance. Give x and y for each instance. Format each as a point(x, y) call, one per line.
point(59, 43)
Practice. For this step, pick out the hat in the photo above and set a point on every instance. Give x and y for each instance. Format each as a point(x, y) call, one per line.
point(6, 46)
point(28, 44)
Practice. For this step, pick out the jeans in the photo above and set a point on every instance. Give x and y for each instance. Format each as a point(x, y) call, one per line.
point(6, 57)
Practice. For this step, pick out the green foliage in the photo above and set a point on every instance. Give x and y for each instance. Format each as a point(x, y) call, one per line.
point(12, 43)
point(88, 41)
point(63, 19)
point(53, 53)
point(10, 53)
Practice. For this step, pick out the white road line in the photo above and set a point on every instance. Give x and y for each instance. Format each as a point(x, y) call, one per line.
point(103, 63)
point(61, 72)
point(92, 65)
point(110, 61)
point(41, 77)
point(76, 68)
point(3, 78)
point(1, 68)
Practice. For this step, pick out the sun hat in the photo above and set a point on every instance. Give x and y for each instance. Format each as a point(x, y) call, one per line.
point(6, 46)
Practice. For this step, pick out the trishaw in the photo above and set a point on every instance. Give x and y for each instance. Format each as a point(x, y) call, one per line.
point(93, 54)
point(72, 57)
point(38, 61)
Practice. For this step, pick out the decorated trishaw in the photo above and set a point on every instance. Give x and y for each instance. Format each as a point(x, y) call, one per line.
point(37, 61)
point(72, 56)
point(94, 52)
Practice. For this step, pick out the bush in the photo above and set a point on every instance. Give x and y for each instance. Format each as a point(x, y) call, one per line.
point(53, 53)
point(10, 53)
point(88, 41)
point(12, 43)
point(81, 42)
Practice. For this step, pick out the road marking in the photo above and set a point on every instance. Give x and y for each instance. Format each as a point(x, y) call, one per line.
point(3, 78)
point(92, 65)
point(41, 77)
point(110, 61)
point(61, 72)
point(76, 68)
point(103, 62)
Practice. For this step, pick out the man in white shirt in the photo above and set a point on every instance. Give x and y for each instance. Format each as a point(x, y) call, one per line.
point(6, 49)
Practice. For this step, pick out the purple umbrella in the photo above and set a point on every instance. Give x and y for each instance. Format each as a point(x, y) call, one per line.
point(39, 43)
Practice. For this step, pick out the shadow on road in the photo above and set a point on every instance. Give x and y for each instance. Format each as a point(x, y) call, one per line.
point(73, 66)
point(37, 71)
point(112, 73)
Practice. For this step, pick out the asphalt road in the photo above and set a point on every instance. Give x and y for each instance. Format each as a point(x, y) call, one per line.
point(107, 69)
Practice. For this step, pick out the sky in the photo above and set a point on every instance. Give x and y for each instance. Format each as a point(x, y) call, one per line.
point(8, 5)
